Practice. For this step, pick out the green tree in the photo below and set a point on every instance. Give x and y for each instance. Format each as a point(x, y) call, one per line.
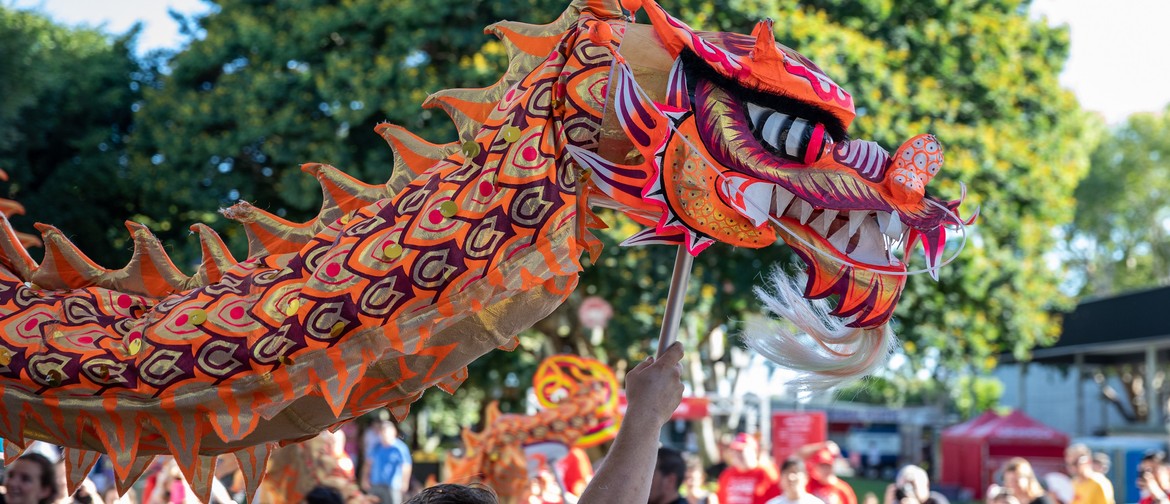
point(1120, 239)
point(65, 113)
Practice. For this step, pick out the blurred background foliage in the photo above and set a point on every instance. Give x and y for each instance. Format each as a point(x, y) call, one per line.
point(94, 133)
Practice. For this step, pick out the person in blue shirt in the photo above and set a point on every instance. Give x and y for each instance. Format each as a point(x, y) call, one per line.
point(387, 467)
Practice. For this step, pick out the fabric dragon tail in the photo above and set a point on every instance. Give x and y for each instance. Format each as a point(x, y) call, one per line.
point(830, 353)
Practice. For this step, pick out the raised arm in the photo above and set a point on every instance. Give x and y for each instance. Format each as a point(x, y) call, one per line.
point(653, 389)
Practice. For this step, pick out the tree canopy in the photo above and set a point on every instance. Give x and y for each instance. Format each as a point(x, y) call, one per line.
point(1120, 239)
point(64, 118)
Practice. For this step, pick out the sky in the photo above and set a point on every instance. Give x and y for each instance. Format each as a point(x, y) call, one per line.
point(1118, 64)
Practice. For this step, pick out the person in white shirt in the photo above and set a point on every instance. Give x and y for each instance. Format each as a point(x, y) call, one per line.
point(793, 483)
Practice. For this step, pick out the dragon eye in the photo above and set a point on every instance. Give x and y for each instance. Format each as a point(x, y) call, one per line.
point(790, 137)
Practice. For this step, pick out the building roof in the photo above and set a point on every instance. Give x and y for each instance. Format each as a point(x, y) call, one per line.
point(1113, 330)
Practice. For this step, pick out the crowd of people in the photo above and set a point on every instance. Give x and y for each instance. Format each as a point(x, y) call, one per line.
point(636, 470)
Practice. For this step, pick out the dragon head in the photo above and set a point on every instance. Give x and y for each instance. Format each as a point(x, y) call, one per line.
point(739, 139)
point(745, 141)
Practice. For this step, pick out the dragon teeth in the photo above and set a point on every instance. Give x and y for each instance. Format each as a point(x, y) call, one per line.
point(840, 239)
point(890, 224)
point(871, 245)
point(781, 197)
point(806, 211)
point(823, 221)
point(855, 220)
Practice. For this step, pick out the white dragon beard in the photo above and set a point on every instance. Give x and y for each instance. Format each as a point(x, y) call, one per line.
point(826, 353)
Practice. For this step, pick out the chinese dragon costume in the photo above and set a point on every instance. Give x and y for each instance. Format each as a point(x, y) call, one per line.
point(395, 287)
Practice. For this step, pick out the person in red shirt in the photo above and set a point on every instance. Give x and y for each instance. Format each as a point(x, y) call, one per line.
point(746, 480)
point(1154, 479)
point(822, 480)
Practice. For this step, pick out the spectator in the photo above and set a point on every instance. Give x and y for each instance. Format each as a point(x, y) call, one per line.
point(794, 484)
point(322, 494)
point(1154, 479)
point(746, 480)
point(1020, 481)
point(912, 486)
point(31, 479)
point(669, 474)
point(1089, 486)
point(695, 483)
point(387, 468)
point(455, 494)
point(1000, 495)
point(1102, 463)
point(823, 482)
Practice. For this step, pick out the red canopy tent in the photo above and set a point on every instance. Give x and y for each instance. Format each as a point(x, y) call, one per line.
point(973, 451)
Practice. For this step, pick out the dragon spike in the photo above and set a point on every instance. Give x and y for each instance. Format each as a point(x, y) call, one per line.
point(9, 207)
point(341, 193)
point(401, 407)
point(78, 464)
point(12, 451)
point(119, 435)
point(200, 476)
point(765, 49)
point(13, 253)
point(451, 383)
point(64, 266)
point(523, 40)
point(267, 233)
point(150, 271)
point(468, 107)
point(139, 466)
point(217, 258)
point(253, 462)
point(336, 388)
point(412, 155)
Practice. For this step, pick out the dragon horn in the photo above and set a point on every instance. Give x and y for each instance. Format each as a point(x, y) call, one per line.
point(765, 48)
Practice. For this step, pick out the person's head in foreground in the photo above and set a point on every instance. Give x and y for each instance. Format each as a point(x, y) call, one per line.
point(669, 473)
point(324, 495)
point(743, 452)
point(1079, 460)
point(793, 478)
point(449, 493)
point(820, 464)
point(1020, 480)
point(31, 479)
point(914, 482)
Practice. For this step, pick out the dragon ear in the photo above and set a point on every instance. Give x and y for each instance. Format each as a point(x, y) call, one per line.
point(765, 48)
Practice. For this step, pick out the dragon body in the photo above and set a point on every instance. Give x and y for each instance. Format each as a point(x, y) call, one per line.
point(394, 288)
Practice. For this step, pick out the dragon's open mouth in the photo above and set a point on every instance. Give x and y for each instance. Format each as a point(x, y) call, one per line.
point(773, 141)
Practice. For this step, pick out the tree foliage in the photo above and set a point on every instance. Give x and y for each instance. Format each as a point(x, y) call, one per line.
point(1120, 239)
point(64, 116)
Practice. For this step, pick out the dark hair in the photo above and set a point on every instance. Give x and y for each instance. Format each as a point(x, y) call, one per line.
point(322, 494)
point(449, 493)
point(1155, 456)
point(670, 462)
point(792, 463)
point(48, 474)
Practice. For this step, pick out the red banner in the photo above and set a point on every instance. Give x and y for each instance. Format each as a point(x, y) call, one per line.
point(793, 429)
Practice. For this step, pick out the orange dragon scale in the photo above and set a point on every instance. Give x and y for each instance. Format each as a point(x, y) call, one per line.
point(395, 287)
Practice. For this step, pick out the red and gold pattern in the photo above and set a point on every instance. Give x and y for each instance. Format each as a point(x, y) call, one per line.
point(581, 401)
point(396, 287)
